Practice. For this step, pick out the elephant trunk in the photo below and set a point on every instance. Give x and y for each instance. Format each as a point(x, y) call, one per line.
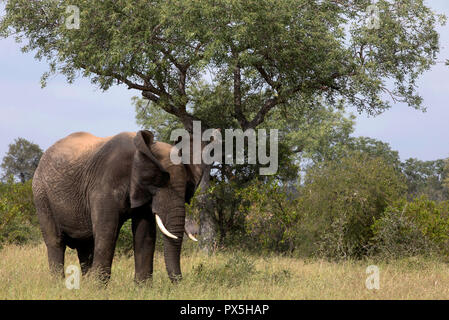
point(172, 247)
point(169, 205)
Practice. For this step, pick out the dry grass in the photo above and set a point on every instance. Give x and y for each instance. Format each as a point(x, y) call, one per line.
point(24, 275)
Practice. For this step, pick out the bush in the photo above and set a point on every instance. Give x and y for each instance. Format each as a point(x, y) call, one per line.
point(125, 239)
point(223, 209)
point(341, 201)
point(272, 213)
point(260, 215)
point(420, 227)
point(18, 219)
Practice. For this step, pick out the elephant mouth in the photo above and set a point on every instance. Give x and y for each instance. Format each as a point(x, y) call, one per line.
point(168, 233)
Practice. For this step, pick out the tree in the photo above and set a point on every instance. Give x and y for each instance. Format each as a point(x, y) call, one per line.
point(21, 160)
point(306, 136)
point(375, 148)
point(446, 174)
point(255, 56)
point(341, 200)
point(263, 52)
point(425, 178)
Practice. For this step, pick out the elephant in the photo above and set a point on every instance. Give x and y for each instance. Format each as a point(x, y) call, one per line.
point(85, 187)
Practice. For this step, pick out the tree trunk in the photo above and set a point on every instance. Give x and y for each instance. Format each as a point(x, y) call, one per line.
point(208, 230)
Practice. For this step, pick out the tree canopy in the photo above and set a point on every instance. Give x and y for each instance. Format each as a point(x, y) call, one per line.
point(255, 55)
point(426, 178)
point(21, 160)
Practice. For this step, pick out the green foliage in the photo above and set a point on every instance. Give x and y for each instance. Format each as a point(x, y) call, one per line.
point(342, 199)
point(268, 64)
point(272, 213)
point(260, 215)
point(446, 174)
point(124, 243)
point(304, 133)
point(261, 53)
point(419, 227)
point(375, 149)
point(313, 132)
point(18, 219)
point(347, 145)
point(331, 214)
point(426, 178)
point(224, 201)
point(21, 160)
point(152, 118)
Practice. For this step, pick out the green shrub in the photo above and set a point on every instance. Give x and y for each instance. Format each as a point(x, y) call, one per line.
point(432, 218)
point(125, 244)
point(341, 201)
point(125, 239)
point(223, 209)
point(18, 219)
point(272, 213)
point(419, 227)
point(258, 216)
point(396, 236)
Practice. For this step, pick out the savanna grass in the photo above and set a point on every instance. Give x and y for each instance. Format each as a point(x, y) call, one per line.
point(225, 275)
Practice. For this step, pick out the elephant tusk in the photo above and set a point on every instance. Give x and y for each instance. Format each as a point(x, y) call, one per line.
point(163, 229)
point(191, 236)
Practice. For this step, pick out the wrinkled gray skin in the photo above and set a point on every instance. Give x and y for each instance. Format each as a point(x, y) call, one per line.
point(86, 187)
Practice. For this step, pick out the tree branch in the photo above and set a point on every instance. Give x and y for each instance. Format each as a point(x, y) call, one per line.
point(238, 95)
point(266, 77)
point(260, 116)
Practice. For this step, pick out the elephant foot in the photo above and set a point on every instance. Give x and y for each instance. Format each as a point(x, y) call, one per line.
point(143, 280)
point(175, 279)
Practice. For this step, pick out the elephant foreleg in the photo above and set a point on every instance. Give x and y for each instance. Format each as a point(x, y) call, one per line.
point(106, 229)
point(144, 239)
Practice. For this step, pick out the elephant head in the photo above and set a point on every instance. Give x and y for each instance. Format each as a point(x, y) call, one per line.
point(152, 160)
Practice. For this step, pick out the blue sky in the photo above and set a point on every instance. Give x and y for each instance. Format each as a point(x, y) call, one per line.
point(46, 115)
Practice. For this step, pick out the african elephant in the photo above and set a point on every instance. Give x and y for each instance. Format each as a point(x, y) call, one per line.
point(86, 187)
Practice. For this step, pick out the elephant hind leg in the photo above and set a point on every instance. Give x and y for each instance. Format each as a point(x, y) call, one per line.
point(86, 255)
point(51, 234)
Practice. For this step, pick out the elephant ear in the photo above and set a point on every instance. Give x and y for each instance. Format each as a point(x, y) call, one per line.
point(147, 173)
point(194, 175)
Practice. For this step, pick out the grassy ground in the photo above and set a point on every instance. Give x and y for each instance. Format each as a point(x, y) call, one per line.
point(24, 275)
